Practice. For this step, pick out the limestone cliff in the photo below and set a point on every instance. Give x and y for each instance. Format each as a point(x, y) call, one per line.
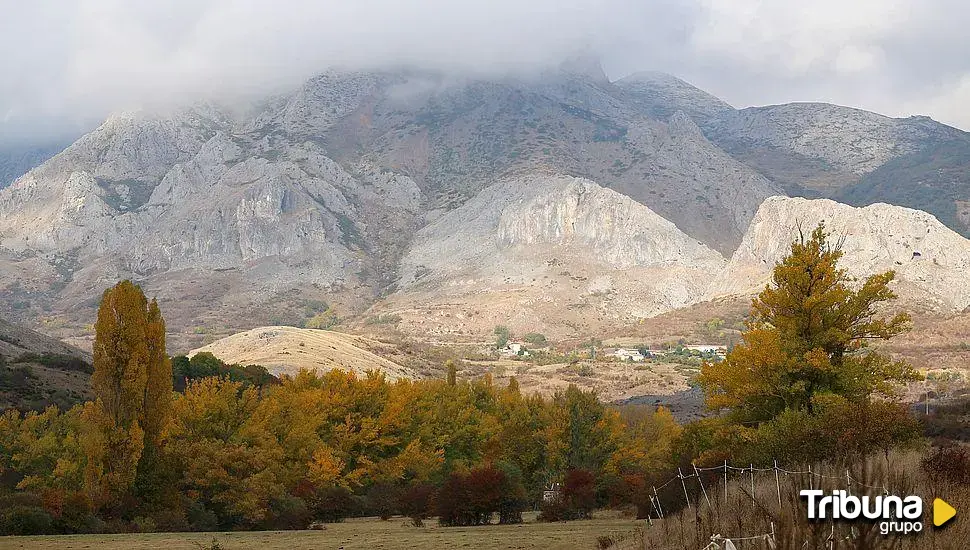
point(931, 261)
point(552, 253)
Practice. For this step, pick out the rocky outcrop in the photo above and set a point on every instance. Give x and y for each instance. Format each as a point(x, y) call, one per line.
point(547, 252)
point(150, 196)
point(931, 261)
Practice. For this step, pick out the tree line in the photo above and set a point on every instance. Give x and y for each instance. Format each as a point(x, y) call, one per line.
point(233, 448)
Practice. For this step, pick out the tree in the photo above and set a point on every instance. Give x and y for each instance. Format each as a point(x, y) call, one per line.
point(502, 335)
point(132, 383)
point(807, 337)
point(452, 372)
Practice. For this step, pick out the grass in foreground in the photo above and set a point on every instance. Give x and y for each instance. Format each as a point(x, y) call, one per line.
point(366, 533)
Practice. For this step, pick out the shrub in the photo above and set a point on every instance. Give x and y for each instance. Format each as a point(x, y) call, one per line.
point(26, 520)
point(950, 463)
point(416, 502)
point(332, 504)
point(382, 500)
point(472, 498)
point(576, 500)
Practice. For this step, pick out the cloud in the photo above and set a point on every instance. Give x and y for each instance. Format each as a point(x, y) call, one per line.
point(66, 64)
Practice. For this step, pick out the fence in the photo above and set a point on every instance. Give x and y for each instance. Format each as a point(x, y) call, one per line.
point(747, 475)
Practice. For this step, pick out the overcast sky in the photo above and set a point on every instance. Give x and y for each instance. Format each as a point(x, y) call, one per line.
point(65, 63)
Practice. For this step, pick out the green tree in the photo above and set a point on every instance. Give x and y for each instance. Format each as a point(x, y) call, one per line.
point(808, 336)
point(502, 335)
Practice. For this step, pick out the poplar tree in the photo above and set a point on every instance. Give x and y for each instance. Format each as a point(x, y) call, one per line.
point(132, 382)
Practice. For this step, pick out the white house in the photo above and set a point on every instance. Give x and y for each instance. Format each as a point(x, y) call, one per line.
point(628, 355)
point(513, 349)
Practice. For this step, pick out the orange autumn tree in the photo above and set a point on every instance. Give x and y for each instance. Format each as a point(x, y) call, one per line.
point(808, 338)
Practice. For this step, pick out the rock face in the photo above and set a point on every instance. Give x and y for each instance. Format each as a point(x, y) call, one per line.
point(850, 140)
point(459, 197)
point(17, 159)
point(549, 253)
point(930, 260)
point(818, 150)
point(237, 210)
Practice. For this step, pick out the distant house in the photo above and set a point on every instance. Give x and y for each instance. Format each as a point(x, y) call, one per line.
point(624, 354)
point(513, 349)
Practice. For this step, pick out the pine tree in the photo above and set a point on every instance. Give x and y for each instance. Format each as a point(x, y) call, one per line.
point(808, 336)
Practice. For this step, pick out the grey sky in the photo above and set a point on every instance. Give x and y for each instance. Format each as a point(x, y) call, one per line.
point(65, 63)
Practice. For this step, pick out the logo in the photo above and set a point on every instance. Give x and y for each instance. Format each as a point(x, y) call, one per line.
point(895, 514)
point(942, 512)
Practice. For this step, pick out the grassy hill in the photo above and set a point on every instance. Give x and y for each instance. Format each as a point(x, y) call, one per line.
point(287, 350)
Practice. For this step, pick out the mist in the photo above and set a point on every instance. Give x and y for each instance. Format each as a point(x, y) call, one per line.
point(66, 65)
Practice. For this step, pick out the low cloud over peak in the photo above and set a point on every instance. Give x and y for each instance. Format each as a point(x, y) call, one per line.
point(67, 64)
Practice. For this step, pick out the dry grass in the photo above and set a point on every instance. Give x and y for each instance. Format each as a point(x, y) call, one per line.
point(741, 516)
point(286, 350)
point(363, 534)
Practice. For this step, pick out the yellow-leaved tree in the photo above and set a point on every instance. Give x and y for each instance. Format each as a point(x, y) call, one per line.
point(804, 361)
point(132, 383)
point(808, 336)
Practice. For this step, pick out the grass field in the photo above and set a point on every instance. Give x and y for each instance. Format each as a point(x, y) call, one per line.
point(368, 533)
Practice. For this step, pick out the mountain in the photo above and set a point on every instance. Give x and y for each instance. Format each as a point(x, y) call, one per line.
point(559, 200)
point(858, 157)
point(37, 371)
point(553, 254)
point(931, 261)
point(18, 159)
point(257, 213)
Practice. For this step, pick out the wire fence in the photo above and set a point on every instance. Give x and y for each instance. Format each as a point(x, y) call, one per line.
point(726, 471)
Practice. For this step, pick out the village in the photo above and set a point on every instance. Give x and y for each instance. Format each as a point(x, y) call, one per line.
point(632, 354)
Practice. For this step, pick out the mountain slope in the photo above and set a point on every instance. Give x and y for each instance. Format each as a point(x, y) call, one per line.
point(253, 214)
point(37, 371)
point(854, 156)
point(550, 254)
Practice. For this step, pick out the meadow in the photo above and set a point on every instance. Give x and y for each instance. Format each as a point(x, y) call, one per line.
point(359, 533)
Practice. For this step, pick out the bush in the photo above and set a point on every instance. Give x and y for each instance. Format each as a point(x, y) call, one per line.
point(472, 498)
point(26, 520)
point(576, 500)
point(332, 504)
point(382, 500)
point(287, 512)
point(947, 464)
point(416, 502)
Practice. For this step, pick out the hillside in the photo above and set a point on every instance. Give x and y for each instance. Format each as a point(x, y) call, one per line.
point(550, 254)
point(931, 261)
point(37, 371)
point(287, 350)
point(820, 150)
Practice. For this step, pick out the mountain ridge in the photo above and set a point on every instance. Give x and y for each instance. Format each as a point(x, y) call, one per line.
point(322, 194)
